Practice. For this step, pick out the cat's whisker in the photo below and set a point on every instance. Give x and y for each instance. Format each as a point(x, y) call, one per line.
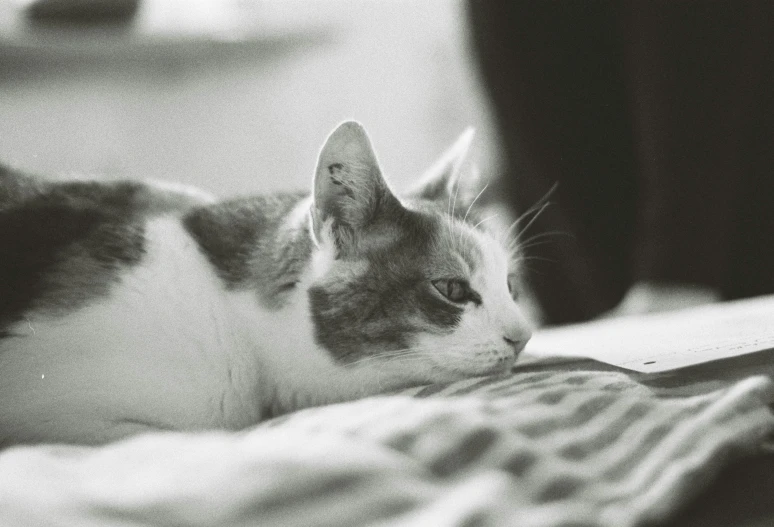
point(419, 352)
point(456, 192)
point(533, 270)
point(464, 218)
point(548, 233)
point(412, 348)
point(521, 248)
point(516, 250)
point(506, 234)
point(539, 204)
point(465, 354)
point(377, 358)
point(517, 238)
point(401, 354)
point(486, 219)
point(533, 219)
point(537, 258)
point(545, 234)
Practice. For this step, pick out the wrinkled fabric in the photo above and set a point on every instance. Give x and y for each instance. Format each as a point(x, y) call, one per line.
point(540, 447)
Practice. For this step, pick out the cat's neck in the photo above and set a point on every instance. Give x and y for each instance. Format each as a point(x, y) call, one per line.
point(294, 370)
point(259, 243)
point(330, 385)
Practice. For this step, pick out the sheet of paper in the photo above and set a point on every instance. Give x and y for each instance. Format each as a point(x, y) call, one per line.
point(661, 342)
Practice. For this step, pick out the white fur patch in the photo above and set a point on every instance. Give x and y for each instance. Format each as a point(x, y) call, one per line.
point(160, 350)
point(168, 349)
point(299, 217)
point(478, 345)
point(324, 256)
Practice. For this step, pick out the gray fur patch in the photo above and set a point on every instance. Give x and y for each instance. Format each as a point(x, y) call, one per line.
point(63, 244)
point(246, 242)
point(381, 309)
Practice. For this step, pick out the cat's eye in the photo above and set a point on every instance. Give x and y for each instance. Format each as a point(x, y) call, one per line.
point(456, 290)
point(287, 287)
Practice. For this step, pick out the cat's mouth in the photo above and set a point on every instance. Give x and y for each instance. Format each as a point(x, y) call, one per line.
point(493, 366)
point(501, 366)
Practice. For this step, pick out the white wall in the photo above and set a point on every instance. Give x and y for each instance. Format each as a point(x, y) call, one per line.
point(238, 118)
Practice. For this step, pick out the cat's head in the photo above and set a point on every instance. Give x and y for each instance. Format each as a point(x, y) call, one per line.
point(410, 284)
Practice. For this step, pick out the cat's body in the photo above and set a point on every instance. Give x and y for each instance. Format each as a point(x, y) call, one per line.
point(127, 307)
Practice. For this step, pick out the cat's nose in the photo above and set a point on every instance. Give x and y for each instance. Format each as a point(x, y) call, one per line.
point(518, 341)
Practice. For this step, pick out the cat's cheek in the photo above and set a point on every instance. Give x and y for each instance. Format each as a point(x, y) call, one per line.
point(428, 363)
point(453, 356)
point(483, 343)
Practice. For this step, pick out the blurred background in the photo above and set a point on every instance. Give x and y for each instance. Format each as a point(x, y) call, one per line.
point(233, 96)
point(648, 126)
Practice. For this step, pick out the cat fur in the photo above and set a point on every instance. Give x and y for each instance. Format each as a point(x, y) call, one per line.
point(129, 306)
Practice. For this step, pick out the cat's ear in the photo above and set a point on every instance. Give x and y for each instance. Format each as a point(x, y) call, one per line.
point(442, 179)
point(349, 189)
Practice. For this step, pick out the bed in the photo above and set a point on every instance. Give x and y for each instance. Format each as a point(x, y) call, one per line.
point(556, 442)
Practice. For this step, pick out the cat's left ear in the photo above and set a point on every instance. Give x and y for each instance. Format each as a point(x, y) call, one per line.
point(442, 179)
point(349, 189)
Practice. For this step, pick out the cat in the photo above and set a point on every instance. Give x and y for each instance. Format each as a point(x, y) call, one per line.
point(127, 306)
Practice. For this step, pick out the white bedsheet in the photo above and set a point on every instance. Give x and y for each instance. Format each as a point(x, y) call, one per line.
point(544, 446)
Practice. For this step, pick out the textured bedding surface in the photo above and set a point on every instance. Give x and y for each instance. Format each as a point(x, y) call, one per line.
point(556, 443)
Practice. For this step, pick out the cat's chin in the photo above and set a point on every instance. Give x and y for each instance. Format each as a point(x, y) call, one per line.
point(461, 373)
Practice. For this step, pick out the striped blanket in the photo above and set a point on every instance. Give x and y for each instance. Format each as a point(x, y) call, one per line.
point(556, 443)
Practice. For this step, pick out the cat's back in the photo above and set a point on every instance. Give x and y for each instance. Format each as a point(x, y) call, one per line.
point(107, 307)
point(63, 243)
